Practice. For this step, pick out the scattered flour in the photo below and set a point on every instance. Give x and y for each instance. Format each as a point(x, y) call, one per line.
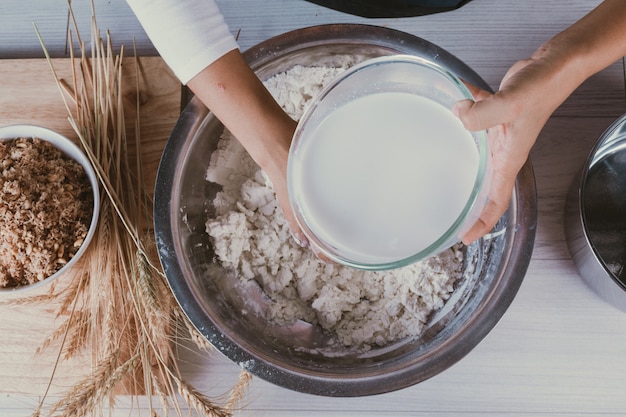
point(362, 309)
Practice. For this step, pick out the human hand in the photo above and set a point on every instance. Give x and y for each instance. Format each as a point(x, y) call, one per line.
point(275, 167)
point(278, 178)
point(513, 117)
point(239, 100)
point(530, 92)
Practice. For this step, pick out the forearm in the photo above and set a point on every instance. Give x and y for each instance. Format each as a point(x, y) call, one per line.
point(194, 40)
point(598, 38)
point(231, 90)
point(588, 46)
point(234, 94)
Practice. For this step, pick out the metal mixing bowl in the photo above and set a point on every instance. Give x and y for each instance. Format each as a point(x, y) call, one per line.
point(289, 356)
point(595, 224)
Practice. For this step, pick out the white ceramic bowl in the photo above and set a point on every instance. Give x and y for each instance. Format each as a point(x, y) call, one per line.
point(71, 150)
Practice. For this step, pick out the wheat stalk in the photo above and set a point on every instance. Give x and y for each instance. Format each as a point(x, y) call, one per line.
point(199, 402)
point(238, 391)
point(119, 306)
point(88, 395)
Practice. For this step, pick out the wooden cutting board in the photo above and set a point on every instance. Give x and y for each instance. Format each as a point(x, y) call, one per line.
point(29, 95)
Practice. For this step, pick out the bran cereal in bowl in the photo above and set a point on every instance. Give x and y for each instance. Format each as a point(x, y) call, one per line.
point(48, 205)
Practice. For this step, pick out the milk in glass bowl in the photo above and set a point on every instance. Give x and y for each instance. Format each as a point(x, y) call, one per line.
point(381, 173)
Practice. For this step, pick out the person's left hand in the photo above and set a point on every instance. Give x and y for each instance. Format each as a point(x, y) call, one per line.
point(232, 91)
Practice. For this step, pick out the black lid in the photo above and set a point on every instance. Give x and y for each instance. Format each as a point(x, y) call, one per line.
point(391, 8)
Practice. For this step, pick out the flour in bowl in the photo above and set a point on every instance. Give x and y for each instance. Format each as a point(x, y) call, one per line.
point(361, 309)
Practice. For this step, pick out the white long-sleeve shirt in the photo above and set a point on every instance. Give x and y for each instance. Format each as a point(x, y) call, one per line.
point(188, 34)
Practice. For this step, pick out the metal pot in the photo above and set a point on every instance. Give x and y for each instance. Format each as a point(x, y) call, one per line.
point(595, 217)
point(289, 355)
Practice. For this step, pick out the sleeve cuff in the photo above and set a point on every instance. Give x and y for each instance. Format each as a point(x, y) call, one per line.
point(189, 35)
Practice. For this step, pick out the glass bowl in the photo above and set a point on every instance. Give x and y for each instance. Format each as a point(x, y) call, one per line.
point(381, 173)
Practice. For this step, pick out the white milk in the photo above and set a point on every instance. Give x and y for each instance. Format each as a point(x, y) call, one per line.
point(384, 176)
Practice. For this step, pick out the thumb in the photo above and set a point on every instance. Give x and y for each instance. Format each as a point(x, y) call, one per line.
point(480, 115)
point(462, 110)
point(471, 115)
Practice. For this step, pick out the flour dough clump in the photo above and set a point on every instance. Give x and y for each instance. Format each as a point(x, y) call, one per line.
point(361, 309)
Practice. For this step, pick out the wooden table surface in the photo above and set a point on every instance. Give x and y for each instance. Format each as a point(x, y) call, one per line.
point(559, 350)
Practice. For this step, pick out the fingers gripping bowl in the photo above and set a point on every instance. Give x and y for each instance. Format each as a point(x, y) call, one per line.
point(294, 355)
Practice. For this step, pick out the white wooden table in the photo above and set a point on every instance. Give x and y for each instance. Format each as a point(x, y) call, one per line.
point(559, 350)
